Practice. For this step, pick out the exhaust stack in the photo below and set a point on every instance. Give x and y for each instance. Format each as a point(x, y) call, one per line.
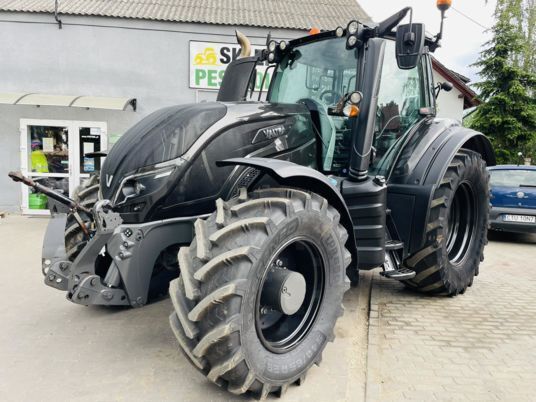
point(245, 44)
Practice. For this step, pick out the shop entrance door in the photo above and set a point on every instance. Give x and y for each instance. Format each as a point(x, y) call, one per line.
point(53, 152)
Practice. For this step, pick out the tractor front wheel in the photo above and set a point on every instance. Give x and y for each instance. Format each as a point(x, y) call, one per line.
point(86, 194)
point(456, 231)
point(260, 289)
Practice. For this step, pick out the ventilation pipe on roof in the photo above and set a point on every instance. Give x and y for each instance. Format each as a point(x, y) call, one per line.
point(56, 4)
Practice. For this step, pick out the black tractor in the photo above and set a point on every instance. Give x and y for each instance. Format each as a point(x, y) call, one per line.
point(274, 206)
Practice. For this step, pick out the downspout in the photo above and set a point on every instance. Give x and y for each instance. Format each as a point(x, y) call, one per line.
point(56, 4)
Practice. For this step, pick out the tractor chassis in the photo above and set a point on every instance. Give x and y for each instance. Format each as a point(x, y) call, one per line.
point(132, 251)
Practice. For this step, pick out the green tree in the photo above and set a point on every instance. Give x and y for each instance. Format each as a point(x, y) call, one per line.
point(508, 112)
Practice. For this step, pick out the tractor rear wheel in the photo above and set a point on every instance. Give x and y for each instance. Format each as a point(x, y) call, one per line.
point(260, 289)
point(456, 230)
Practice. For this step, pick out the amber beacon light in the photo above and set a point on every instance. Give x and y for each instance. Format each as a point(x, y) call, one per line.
point(443, 5)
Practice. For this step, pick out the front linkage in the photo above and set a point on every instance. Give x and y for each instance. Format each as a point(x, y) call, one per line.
point(78, 278)
point(116, 265)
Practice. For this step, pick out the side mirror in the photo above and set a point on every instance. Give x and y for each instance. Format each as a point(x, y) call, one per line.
point(447, 86)
point(443, 86)
point(409, 45)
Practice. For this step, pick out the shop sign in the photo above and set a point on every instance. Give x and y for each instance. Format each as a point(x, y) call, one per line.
point(208, 61)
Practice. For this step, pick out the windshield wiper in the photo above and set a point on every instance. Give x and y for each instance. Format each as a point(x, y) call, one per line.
point(527, 185)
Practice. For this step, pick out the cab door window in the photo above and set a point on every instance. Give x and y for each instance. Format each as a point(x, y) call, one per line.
point(400, 98)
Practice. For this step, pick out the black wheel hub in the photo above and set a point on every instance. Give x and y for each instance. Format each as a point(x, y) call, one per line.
point(290, 295)
point(284, 290)
point(461, 223)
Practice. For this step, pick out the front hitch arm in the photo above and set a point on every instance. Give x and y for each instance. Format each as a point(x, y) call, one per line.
point(72, 204)
point(19, 177)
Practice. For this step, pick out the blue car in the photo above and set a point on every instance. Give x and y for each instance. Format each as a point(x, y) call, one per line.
point(513, 198)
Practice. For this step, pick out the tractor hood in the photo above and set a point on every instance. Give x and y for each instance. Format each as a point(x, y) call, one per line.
point(163, 135)
point(169, 133)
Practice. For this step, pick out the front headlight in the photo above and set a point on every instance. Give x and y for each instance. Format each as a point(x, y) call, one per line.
point(141, 184)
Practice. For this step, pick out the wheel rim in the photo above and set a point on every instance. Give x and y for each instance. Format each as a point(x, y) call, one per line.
point(280, 332)
point(461, 223)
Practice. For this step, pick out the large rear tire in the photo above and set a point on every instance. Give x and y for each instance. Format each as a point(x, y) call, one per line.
point(456, 230)
point(225, 320)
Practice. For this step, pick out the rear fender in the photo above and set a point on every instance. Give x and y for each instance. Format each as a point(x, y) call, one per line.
point(293, 175)
point(434, 164)
point(421, 165)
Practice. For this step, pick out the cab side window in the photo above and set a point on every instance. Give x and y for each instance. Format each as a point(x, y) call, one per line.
point(400, 98)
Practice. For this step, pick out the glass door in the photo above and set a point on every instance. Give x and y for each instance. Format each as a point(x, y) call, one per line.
point(91, 139)
point(53, 152)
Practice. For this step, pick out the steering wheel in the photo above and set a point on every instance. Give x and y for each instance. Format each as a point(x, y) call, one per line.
point(335, 96)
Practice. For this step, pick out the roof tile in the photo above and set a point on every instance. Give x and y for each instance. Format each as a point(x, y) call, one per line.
point(293, 14)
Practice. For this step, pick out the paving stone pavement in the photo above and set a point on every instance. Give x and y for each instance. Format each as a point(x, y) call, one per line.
point(480, 346)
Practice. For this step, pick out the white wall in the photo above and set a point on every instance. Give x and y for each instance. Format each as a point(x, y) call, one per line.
point(115, 57)
point(449, 104)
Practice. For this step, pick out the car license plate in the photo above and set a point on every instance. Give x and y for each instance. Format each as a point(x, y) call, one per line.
point(520, 218)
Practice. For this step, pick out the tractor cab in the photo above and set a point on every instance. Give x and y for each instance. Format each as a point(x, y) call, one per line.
point(362, 85)
point(323, 73)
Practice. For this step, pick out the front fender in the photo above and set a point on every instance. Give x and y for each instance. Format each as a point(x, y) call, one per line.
point(293, 175)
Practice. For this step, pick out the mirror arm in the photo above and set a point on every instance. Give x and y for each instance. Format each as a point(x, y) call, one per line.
point(387, 25)
point(437, 90)
point(410, 36)
point(437, 40)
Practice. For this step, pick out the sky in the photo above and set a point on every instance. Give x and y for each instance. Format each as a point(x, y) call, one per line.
point(462, 38)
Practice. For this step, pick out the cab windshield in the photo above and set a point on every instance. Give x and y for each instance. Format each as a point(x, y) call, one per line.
point(318, 74)
point(322, 71)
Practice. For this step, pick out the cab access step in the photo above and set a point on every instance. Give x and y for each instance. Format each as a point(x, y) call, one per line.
point(392, 268)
